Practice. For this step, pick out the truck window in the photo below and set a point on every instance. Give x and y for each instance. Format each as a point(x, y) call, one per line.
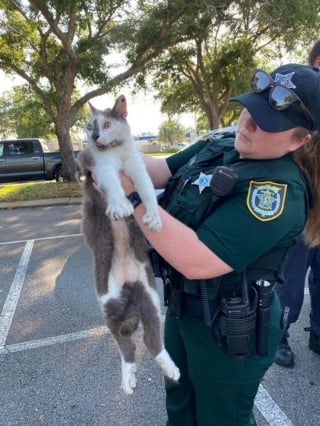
point(37, 147)
point(26, 147)
point(14, 149)
point(1, 149)
point(21, 148)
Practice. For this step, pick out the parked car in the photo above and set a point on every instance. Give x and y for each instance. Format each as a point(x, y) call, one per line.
point(166, 147)
point(229, 130)
point(23, 159)
point(181, 145)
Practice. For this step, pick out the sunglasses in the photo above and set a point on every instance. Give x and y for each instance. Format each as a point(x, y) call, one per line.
point(280, 97)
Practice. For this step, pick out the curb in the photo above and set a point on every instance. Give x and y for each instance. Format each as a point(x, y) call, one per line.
point(41, 203)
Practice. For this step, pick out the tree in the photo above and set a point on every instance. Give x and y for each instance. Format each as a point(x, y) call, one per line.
point(202, 75)
point(57, 45)
point(171, 131)
point(22, 112)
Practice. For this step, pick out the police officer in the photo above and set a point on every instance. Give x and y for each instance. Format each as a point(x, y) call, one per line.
point(291, 295)
point(291, 291)
point(218, 246)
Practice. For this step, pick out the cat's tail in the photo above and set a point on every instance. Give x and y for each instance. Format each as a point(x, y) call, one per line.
point(122, 317)
point(128, 326)
point(124, 327)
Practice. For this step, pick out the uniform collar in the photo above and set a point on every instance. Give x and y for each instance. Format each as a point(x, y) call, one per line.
point(230, 157)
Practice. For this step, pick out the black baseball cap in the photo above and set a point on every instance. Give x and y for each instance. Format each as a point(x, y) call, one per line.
point(304, 80)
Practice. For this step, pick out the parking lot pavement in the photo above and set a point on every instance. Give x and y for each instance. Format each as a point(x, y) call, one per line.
point(59, 364)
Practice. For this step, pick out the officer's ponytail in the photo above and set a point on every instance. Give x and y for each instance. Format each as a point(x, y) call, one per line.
point(308, 159)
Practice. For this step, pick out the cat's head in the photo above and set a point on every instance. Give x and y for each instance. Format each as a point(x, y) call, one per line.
point(109, 127)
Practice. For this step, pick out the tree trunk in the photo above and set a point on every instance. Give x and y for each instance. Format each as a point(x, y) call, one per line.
point(213, 120)
point(67, 155)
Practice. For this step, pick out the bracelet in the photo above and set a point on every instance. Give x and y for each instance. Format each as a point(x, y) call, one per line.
point(134, 199)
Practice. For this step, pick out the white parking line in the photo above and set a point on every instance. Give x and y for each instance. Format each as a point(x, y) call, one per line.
point(263, 401)
point(39, 343)
point(41, 239)
point(270, 410)
point(12, 299)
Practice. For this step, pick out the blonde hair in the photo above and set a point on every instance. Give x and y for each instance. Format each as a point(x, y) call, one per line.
point(308, 159)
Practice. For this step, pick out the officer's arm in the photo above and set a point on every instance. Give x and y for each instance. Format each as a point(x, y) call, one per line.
point(158, 170)
point(181, 248)
point(178, 244)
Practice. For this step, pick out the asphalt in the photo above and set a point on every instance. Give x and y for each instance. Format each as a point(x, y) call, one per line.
point(59, 369)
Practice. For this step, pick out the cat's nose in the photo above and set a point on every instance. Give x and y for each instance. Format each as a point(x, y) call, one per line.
point(95, 135)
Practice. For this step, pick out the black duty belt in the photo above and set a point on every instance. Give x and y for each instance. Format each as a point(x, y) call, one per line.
point(180, 303)
point(234, 320)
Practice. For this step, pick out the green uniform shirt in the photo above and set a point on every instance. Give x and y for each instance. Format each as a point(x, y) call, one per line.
point(266, 212)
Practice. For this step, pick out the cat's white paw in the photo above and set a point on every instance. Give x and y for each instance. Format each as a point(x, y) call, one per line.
point(152, 220)
point(169, 368)
point(129, 380)
point(119, 209)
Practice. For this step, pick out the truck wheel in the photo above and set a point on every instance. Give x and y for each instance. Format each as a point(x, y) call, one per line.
point(58, 174)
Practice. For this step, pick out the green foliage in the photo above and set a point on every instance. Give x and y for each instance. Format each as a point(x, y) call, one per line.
point(202, 75)
point(22, 114)
point(171, 131)
point(59, 46)
point(202, 82)
point(202, 53)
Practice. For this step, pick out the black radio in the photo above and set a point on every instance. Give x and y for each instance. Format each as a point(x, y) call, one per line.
point(237, 322)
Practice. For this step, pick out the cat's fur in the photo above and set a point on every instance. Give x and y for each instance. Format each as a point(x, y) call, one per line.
point(124, 277)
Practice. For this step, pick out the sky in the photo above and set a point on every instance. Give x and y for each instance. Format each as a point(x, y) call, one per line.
point(144, 115)
point(144, 112)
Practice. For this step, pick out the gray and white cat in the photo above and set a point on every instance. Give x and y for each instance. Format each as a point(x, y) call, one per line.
point(124, 277)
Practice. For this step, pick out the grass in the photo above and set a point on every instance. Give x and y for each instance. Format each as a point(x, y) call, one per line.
point(38, 191)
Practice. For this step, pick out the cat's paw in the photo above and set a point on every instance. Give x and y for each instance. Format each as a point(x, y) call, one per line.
point(169, 368)
point(119, 209)
point(152, 220)
point(129, 380)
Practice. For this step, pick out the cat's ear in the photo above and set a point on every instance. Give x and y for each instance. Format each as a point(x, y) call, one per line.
point(93, 109)
point(120, 107)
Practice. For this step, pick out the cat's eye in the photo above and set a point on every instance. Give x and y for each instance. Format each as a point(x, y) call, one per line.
point(107, 124)
point(89, 127)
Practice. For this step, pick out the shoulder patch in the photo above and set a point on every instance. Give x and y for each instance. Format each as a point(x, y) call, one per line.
point(266, 200)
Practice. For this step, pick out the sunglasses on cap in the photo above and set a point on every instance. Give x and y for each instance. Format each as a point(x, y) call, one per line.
point(280, 97)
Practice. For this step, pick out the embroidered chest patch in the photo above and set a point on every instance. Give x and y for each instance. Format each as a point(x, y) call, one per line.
point(266, 200)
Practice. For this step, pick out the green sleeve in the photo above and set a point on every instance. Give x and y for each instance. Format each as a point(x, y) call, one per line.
point(239, 238)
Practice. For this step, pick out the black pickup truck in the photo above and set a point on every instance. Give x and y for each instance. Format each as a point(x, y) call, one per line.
point(28, 159)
